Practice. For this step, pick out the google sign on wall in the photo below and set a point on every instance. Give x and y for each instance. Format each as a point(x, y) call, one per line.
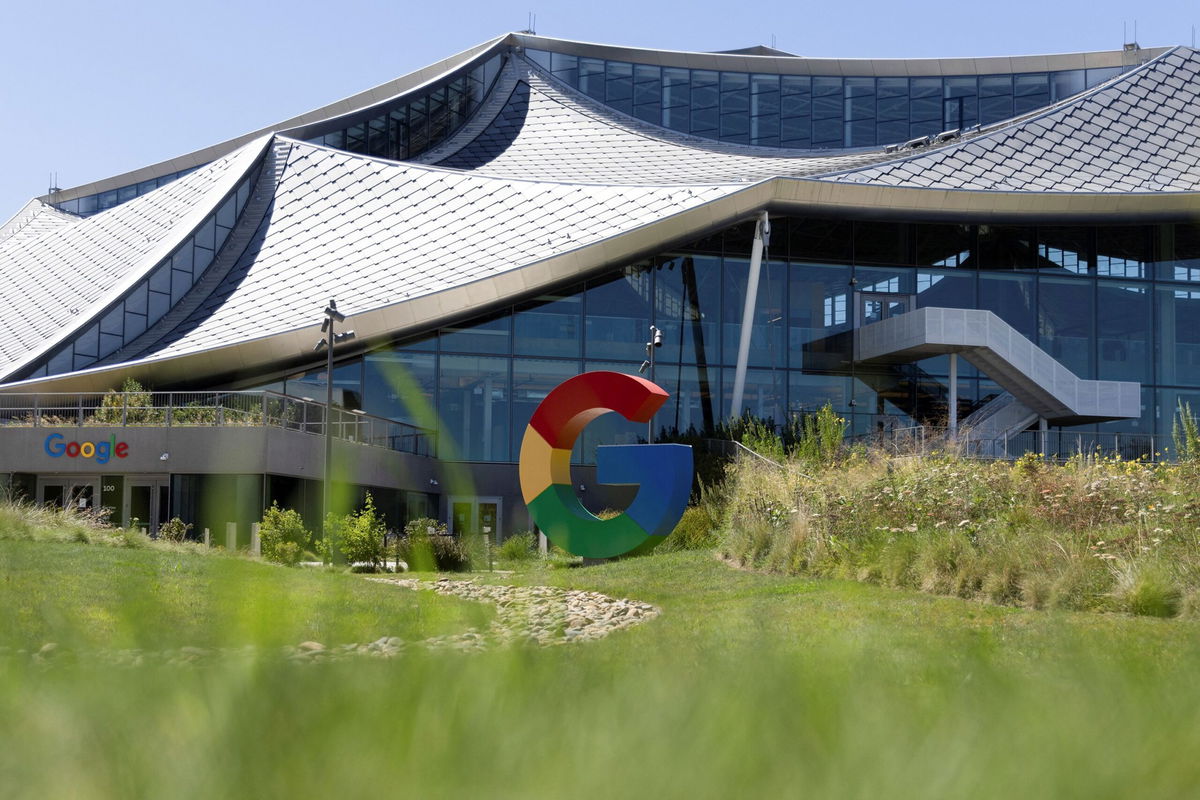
point(57, 446)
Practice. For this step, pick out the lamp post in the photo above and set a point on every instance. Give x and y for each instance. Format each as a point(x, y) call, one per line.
point(332, 316)
point(656, 341)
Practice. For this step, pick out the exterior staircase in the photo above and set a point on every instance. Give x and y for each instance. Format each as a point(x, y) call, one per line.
point(1039, 385)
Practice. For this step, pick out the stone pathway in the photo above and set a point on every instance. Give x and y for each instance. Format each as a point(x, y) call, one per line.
point(536, 615)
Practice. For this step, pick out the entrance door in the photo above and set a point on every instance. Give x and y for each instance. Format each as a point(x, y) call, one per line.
point(79, 494)
point(476, 515)
point(149, 502)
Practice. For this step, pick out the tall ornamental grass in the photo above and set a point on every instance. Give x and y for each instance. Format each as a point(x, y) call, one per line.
point(1091, 534)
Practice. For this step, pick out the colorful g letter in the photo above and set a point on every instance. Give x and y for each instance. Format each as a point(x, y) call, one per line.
point(663, 472)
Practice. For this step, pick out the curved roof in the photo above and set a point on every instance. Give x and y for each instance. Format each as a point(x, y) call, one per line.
point(544, 130)
point(541, 187)
point(62, 276)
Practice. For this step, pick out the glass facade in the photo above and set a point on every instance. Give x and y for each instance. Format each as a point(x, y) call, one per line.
point(479, 380)
point(406, 127)
point(147, 302)
point(811, 111)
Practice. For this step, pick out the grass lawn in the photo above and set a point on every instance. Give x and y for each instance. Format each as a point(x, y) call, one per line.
point(748, 685)
point(86, 598)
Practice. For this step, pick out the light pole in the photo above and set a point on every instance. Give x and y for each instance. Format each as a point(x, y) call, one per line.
point(332, 315)
point(656, 341)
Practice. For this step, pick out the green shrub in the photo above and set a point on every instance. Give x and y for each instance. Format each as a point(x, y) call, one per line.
point(132, 402)
point(820, 437)
point(428, 547)
point(282, 535)
point(174, 531)
point(520, 547)
point(360, 535)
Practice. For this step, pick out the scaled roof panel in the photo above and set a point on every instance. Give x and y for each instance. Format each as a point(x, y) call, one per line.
point(375, 233)
point(1137, 133)
point(34, 219)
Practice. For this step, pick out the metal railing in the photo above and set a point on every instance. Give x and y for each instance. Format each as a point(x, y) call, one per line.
point(1055, 445)
point(210, 409)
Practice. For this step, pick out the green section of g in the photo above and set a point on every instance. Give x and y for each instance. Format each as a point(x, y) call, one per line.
point(572, 527)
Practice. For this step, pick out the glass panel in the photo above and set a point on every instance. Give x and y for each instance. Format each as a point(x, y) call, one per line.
point(1122, 251)
point(114, 321)
point(1181, 259)
point(473, 407)
point(206, 236)
point(87, 342)
point(1067, 249)
point(944, 245)
point(881, 243)
point(764, 394)
point(767, 325)
point(705, 102)
point(619, 86)
point(676, 98)
point(591, 77)
point(480, 335)
point(565, 68)
point(400, 386)
point(135, 325)
point(227, 213)
point(948, 289)
point(647, 93)
point(617, 321)
point(1010, 297)
point(347, 385)
point(961, 106)
point(687, 308)
point(819, 316)
point(1031, 91)
point(807, 393)
point(1179, 336)
point(820, 240)
point(539, 57)
point(183, 260)
point(1005, 247)
point(1123, 331)
point(550, 326)
point(877, 279)
point(694, 405)
point(1064, 84)
point(1066, 314)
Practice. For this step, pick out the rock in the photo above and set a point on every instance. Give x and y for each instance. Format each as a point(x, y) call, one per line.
point(311, 647)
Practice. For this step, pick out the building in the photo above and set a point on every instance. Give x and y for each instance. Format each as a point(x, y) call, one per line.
point(526, 209)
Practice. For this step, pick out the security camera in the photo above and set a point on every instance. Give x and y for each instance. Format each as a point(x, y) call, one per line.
point(656, 336)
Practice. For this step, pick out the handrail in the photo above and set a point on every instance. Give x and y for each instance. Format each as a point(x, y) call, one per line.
point(262, 408)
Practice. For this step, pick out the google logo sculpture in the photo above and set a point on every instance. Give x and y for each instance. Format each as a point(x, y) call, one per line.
point(662, 472)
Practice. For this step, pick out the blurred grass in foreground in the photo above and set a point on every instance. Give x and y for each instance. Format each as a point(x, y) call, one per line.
point(88, 597)
point(749, 685)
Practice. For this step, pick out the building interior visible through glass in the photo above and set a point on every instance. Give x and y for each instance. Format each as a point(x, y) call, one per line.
point(1106, 302)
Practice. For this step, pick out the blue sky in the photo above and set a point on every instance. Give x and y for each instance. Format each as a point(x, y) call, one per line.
point(94, 89)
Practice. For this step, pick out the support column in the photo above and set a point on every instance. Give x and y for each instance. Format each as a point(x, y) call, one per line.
point(952, 425)
point(1043, 437)
point(762, 234)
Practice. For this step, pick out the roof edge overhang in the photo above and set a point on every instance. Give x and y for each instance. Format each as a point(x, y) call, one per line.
point(793, 195)
point(802, 65)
